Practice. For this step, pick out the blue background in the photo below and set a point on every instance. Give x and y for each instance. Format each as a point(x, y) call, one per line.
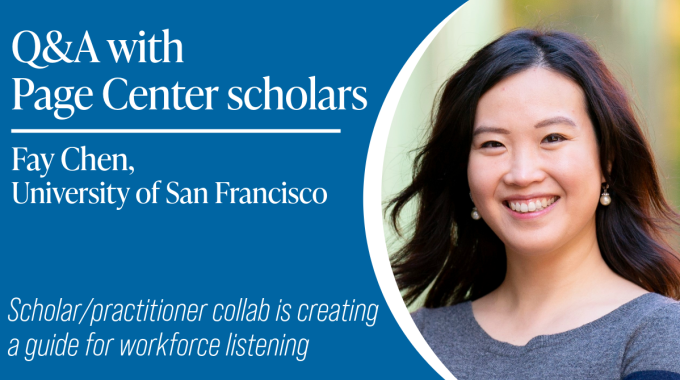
point(206, 253)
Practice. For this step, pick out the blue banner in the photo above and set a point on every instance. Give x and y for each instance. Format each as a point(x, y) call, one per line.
point(183, 188)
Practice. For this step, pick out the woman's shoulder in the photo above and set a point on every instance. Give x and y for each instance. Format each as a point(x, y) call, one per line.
point(656, 312)
point(653, 347)
point(440, 318)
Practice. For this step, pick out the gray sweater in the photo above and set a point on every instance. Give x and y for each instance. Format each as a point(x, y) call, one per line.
point(639, 340)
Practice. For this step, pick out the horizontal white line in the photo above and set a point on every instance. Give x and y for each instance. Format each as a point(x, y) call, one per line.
point(175, 131)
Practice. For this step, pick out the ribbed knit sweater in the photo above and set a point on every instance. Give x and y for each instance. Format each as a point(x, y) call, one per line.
point(639, 340)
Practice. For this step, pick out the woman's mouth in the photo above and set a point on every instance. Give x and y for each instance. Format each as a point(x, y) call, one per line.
point(527, 206)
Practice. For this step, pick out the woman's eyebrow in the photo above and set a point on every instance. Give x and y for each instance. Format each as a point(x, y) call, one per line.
point(555, 120)
point(540, 124)
point(483, 129)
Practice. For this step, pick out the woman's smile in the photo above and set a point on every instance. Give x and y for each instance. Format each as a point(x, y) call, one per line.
point(531, 206)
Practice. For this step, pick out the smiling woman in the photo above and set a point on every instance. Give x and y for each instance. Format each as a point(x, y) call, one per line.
point(529, 266)
point(533, 144)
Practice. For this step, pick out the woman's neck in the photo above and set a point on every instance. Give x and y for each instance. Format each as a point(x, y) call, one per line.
point(570, 272)
point(553, 292)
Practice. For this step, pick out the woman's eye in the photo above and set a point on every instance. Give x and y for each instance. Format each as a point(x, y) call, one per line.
point(492, 144)
point(553, 138)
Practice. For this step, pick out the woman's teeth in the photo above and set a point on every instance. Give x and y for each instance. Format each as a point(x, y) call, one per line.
point(531, 206)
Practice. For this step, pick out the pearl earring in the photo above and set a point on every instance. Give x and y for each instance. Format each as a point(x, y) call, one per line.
point(474, 214)
point(605, 199)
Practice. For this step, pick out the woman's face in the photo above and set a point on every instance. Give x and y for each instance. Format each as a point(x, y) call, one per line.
point(534, 168)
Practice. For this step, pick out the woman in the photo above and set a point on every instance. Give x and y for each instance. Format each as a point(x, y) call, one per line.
point(538, 242)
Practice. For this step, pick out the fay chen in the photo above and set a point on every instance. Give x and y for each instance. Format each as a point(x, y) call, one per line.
point(540, 252)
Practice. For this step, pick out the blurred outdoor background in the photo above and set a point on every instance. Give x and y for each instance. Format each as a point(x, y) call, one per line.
point(639, 39)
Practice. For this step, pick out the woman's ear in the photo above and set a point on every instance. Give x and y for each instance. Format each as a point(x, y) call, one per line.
point(609, 172)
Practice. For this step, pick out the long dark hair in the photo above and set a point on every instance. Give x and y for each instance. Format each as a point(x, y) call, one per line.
point(459, 259)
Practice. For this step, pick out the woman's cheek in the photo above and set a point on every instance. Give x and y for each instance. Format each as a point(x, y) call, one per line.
point(476, 172)
point(580, 170)
point(484, 174)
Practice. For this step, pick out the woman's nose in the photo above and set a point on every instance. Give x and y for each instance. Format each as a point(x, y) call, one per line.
point(525, 169)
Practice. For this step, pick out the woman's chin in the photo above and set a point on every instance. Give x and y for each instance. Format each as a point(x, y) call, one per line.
point(528, 248)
